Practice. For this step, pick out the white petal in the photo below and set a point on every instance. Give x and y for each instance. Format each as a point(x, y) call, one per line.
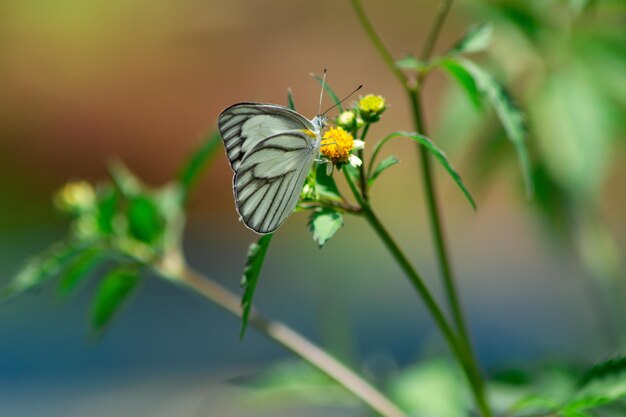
point(329, 169)
point(358, 144)
point(355, 161)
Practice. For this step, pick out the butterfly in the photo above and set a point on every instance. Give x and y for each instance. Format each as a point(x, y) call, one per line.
point(271, 149)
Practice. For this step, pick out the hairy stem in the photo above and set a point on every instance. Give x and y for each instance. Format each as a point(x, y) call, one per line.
point(292, 341)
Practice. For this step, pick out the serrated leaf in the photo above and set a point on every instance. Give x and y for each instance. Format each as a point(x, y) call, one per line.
point(508, 113)
point(79, 269)
point(145, 222)
point(382, 166)
point(198, 161)
point(465, 80)
point(330, 92)
point(254, 263)
point(608, 368)
point(324, 223)
point(477, 39)
point(113, 291)
point(409, 62)
point(325, 184)
point(437, 153)
point(290, 103)
point(40, 269)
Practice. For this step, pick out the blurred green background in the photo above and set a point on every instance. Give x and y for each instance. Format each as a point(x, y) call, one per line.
point(143, 81)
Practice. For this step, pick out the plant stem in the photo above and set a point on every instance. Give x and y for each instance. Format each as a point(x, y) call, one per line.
point(436, 223)
point(456, 346)
point(377, 42)
point(414, 92)
point(434, 211)
point(433, 34)
point(291, 340)
point(362, 176)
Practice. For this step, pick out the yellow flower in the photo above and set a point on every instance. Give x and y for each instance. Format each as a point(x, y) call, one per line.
point(371, 107)
point(337, 145)
point(75, 197)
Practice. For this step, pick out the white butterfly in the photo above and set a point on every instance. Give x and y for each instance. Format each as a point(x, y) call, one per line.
point(271, 149)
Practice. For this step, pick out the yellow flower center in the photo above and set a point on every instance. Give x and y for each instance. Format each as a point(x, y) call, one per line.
point(337, 145)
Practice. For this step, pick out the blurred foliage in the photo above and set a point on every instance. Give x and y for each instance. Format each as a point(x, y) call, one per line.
point(567, 61)
point(435, 387)
point(119, 229)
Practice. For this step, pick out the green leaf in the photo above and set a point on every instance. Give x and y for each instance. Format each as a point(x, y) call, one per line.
point(477, 39)
point(254, 263)
point(40, 269)
point(106, 209)
point(432, 148)
point(573, 126)
point(536, 405)
point(605, 369)
point(432, 388)
point(409, 62)
point(382, 166)
point(578, 6)
point(330, 92)
point(197, 162)
point(298, 381)
point(574, 413)
point(290, 103)
point(324, 223)
point(510, 115)
point(114, 289)
point(125, 181)
point(465, 80)
point(325, 184)
point(79, 269)
point(145, 222)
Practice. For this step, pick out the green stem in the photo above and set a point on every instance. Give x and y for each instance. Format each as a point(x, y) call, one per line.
point(433, 35)
point(377, 42)
point(442, 251)
point(362, 176)
point(290, 339)
point(470, 365)
point(456, 345)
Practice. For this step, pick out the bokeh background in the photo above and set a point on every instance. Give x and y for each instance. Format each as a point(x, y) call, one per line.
point(144, 81)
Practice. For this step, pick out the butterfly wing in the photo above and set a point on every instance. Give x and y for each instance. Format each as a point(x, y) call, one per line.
point(268, 181)
point(244, 125)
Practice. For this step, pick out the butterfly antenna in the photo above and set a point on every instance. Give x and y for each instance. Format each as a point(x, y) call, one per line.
point(343, 99)
point(319, 109)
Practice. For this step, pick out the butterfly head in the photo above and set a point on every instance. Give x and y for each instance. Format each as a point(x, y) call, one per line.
point(319, 122)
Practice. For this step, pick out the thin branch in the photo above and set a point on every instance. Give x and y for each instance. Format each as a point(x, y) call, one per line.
point(433, 35)
point(377, 42)
point(293, 341)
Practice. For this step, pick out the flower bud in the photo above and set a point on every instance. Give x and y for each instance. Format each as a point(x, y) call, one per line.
point(347, 120)
point(75, 197)
point(371, 107)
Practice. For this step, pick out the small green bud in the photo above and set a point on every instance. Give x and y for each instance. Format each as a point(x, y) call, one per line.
point(371, 108)
point(75, 197)
point(347, 120)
